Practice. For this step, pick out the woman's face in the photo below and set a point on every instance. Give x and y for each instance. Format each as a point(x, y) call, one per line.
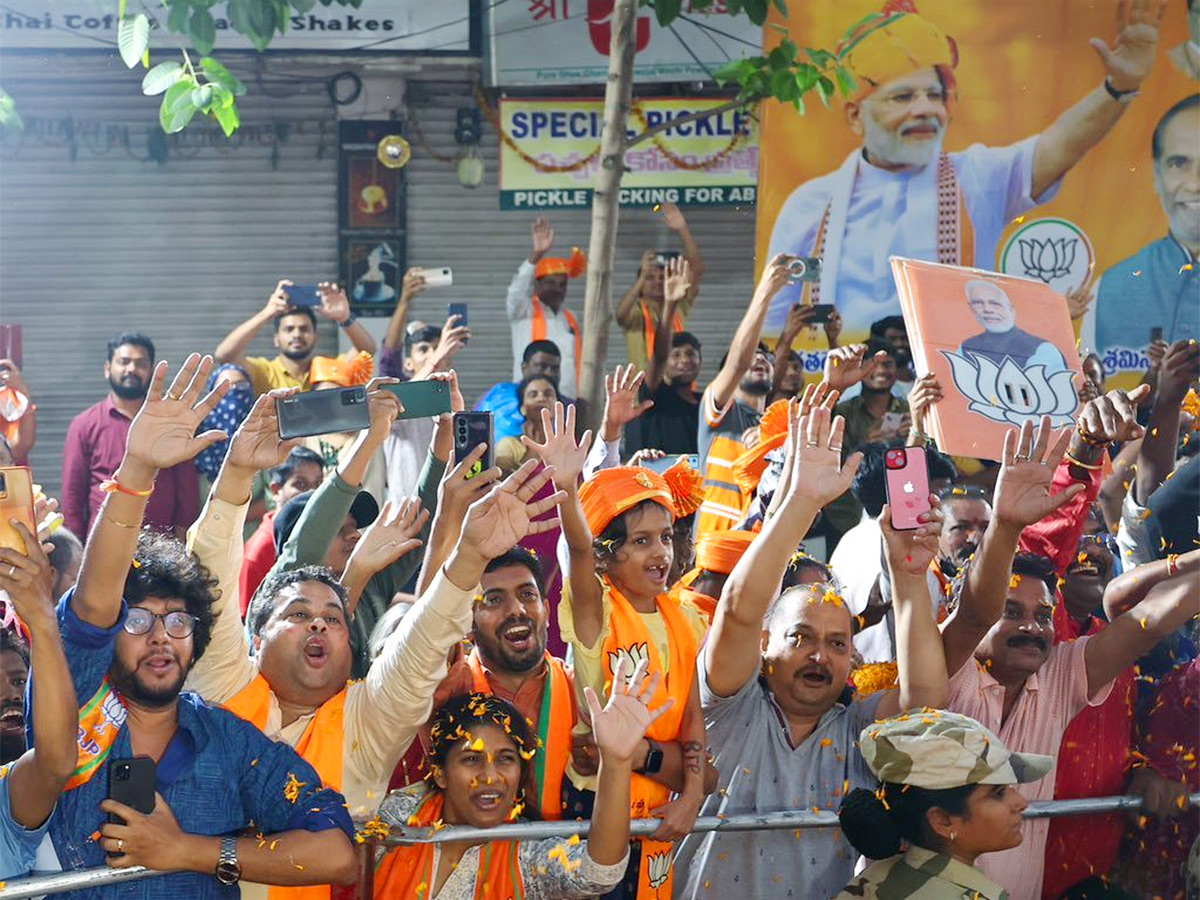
point(992, 821)
point(233, 376)
point(481, 778)
point(539, 394)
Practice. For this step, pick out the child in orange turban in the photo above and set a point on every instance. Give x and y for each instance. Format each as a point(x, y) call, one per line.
point(618, 528)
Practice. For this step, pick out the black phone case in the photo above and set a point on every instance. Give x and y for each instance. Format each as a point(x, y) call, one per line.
point(323, 412)
point(471, 429)
point(137, 789)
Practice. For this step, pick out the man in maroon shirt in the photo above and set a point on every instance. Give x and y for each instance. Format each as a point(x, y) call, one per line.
point(96, 443)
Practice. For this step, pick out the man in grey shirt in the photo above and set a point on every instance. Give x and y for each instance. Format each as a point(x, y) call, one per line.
point(771, 708)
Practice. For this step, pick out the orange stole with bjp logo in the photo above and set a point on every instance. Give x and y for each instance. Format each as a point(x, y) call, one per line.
point(554, 731)
point(628, 636)
point(322, 745)
point(406, 873)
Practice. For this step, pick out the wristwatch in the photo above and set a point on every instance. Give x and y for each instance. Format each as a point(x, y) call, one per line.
point(229, 870)
point(350, 320)
point(1120, 96)
point(654, 759)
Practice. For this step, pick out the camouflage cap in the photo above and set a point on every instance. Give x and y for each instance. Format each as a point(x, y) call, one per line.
point(936, 749)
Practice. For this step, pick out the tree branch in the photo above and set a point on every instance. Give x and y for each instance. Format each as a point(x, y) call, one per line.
point(690, 117)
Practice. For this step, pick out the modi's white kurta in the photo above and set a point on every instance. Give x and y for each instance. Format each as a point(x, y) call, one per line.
point(875, 214)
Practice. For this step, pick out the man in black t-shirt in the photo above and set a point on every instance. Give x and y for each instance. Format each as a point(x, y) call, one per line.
point(671, 424)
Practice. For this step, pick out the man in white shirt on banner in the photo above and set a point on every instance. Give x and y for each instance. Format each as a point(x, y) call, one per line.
point(901, 194)
point(537, 310)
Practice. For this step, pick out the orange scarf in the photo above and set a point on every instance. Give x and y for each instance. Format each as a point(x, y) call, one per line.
point(100, 721)
point(628, 636)
point(555, 722)
point(650, 328)
point(406, 873)
point(705, 604)
point(322, 745)
point(539, 331)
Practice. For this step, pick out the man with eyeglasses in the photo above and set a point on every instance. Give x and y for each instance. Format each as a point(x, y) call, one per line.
point(229, 802)
point(902, 194)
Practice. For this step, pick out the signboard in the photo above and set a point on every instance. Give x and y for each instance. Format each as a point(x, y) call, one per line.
point(550, 154)
point(547, 42)
point(386, 26)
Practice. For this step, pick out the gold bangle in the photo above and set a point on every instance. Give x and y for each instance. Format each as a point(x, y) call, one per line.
point(1091, 467)
point(109, 516)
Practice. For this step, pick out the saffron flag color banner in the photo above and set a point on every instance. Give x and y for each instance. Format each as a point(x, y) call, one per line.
point(550, 154)
point(1115, 225)
point(1002, 348)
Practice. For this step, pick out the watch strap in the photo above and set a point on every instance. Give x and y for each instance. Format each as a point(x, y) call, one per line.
point(350, 320)
point(1120, 96)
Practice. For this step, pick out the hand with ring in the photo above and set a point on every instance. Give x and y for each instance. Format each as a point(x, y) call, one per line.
point(27, 578)
point(1022, 494)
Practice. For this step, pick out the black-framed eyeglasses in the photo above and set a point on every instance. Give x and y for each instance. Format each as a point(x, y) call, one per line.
point(177, 624)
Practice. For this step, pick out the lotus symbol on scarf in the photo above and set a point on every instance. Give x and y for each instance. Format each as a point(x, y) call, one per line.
point(1049, 258)
point(660, 868)
point(632, 656)
point(1010, 394)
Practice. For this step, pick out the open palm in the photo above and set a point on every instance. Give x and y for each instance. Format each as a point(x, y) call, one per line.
point(560, 449)
point(818, 474)
point(256, 444)
point(163, 433)
point(623, 405)
point(1023, 487)
point(1130, 57)
point(505, 515)
point(620, 726)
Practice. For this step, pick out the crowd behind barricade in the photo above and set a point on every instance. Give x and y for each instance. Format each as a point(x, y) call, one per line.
point(231, 654)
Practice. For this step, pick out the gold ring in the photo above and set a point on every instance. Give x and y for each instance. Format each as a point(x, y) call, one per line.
point(120, 845)
point(1021, 457)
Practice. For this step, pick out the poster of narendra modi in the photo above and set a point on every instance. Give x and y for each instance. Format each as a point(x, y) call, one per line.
point(1046, 139)
point(1001, 346)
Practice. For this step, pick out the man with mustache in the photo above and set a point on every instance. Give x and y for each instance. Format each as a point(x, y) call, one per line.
point(95, 445)
point(139, 617)
point(901, 194)
point(967, 516)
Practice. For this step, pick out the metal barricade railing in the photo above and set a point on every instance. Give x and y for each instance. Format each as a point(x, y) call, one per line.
point(86, 878)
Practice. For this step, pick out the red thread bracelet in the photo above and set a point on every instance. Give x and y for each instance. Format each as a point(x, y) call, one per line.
point(112, 486)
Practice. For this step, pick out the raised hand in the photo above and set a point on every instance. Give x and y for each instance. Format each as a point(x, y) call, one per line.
point(774, 277)
point(384, 407)
point(833, 328)
point(543, 238)
point(457, 492)
point(649, 259)
point(622, 405)
point(335, 305)
point(1130, 57)
point(163, 433)
point(560, 450)
point(1079, 299)
point(27, 578)
point(1180, 368)
point(673, 216)
point(619, 725)
point(279, 302)
point(256, 444)
point(1022, 494)
point(412, 284)
point(10, 376)
point(457, 404)
point(818, 475)
point(846, 366)
point(910, 551)
point(677, 282)
point(505, 515)
point(392, 535)
point(926, 392)
point(798, 316)
point(454, 338)
point(1113, 417)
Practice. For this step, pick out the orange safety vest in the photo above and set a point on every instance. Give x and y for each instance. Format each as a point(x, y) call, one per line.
point(322, 745)
point(628, 636)
point(555, 722)
point(539, 332)
point(406, 873)
point(650, 329)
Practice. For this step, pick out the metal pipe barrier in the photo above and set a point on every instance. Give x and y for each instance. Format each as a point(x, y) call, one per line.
point(89, 878)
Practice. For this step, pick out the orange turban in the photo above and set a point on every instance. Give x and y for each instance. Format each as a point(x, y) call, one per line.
point(344, 371)
point(772, 432)
point(572, 267)
point(895, 42)
point(719, 551)
point(611, 492)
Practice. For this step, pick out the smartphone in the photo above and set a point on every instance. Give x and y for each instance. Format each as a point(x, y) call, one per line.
point(323, 412)
point(421, 399)
point(907, 480)
point(16, 502)
point(892, 421)
point(131, 781)
point(805, 268)
point(303, 294)
point(662, 257)
point(460, 310)
point(10, 344)
point(821, 313)
point(442, 277)
point(1156, 333)
point(470, 430)
point(661, 465)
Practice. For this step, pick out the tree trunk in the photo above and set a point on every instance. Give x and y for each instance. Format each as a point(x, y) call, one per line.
point(597, 303)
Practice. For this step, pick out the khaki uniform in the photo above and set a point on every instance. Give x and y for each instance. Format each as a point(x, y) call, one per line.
point(922, 874)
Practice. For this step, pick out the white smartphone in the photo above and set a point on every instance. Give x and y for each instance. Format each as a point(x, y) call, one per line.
point(442, 277)
point(891, 422)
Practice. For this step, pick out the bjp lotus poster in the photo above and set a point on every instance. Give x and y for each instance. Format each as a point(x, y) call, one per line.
point(952, 150)
point(1002, 348)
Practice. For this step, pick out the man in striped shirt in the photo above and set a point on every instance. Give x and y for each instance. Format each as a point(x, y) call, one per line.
point(732, 405)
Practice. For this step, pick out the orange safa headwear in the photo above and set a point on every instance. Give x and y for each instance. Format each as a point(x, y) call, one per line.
point(719, 551)
point(611, 492)
point(772, 432)
point(347, 372)
point(574, 266)
point(894, 42)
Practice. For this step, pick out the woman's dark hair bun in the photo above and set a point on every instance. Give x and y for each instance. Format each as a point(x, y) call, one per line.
point(868, 826)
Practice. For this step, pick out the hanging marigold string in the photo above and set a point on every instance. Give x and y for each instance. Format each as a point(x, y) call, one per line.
point(481, 99)
point(678, 161)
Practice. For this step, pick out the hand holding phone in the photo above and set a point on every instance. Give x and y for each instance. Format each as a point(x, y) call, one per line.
point(470, 430)
point(907, 481)
point(16, 502)
point(439, 277)
point(323, 412)
point(303, 294)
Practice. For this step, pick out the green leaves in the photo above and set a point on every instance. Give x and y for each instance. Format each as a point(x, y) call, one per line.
point(785, 76)
point(203, 30)
point(133, 38)
point(9, 117)
point(177, 107)
point(218, 74)
point(161, 77)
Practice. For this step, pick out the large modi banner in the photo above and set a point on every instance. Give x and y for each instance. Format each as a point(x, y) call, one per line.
point(986, 198)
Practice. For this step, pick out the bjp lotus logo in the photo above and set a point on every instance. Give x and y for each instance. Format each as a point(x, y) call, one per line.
point(633, 656)
point(1055, 251)
point(1048, 259)
point(660, 869)
point(599, 19)
point(1010, 394)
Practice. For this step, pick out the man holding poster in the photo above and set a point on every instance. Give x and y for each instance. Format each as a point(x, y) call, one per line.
point(901, 194)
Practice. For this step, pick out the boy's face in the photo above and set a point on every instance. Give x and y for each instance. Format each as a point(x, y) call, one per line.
point(421, 351)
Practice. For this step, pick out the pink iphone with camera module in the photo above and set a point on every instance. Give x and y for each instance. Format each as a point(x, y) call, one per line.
point(907, 479)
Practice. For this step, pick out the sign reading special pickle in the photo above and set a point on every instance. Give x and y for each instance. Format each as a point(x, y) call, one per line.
point(550, 152)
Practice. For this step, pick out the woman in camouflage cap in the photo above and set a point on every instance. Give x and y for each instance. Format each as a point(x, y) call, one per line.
point(947, 793)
